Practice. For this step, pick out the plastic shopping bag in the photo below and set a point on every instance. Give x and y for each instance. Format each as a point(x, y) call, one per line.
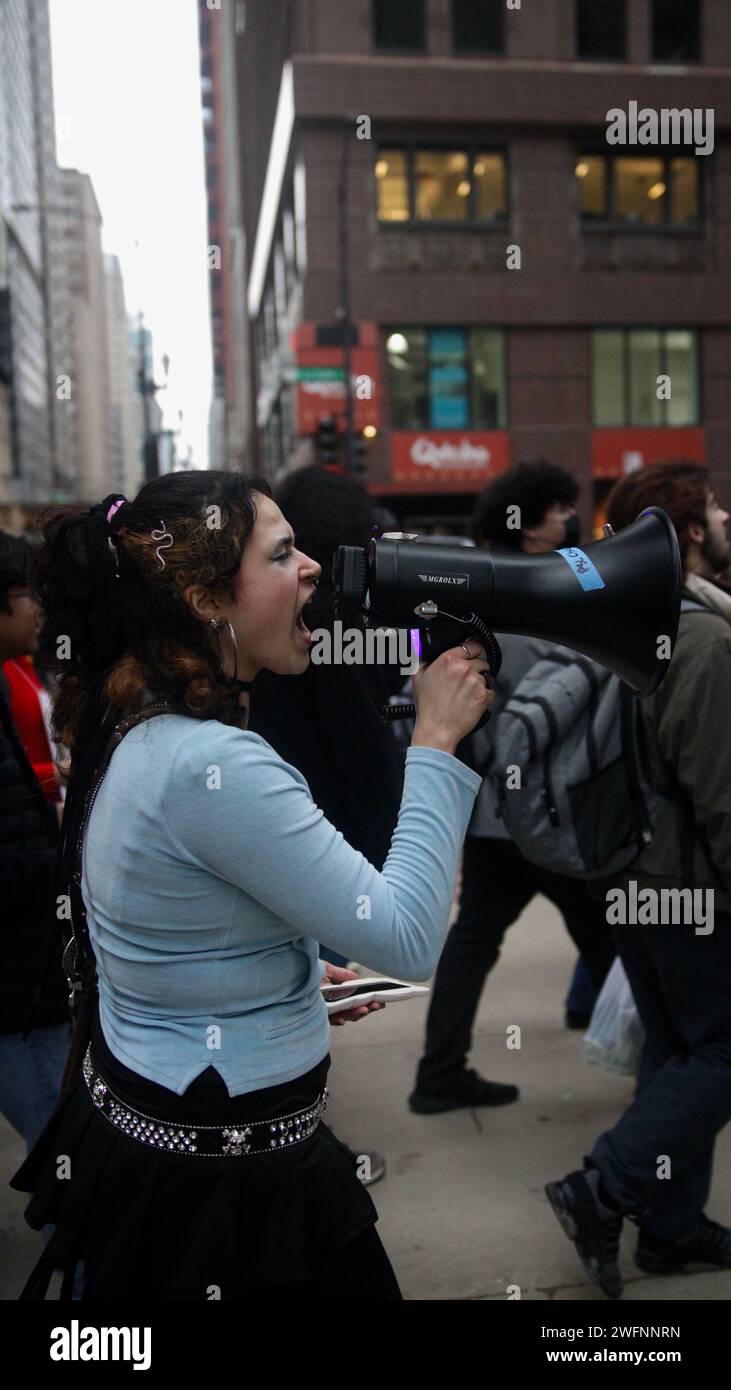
point(615, 1037)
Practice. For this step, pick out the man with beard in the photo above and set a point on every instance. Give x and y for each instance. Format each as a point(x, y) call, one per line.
point(655, 1165)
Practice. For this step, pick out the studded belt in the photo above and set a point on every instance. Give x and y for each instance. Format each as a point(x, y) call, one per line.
point(204, 1141)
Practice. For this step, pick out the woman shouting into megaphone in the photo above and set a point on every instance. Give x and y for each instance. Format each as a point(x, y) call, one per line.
point(201, 876)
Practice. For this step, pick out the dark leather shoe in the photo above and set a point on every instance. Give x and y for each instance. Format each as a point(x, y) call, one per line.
point(710, 1245)
point(467, 1090)
point(593, 1227)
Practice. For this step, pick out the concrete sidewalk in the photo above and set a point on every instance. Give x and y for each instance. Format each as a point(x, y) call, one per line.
point(463, 1213)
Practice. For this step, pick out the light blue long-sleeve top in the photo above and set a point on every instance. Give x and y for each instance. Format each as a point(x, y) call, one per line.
point(210, 876)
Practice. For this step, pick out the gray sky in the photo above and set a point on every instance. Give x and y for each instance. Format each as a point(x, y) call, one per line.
point(128, 113)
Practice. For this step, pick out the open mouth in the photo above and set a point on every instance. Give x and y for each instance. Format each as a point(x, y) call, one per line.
point(302, 627)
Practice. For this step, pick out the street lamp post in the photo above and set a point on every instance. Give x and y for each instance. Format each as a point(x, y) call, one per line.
point(345, 311)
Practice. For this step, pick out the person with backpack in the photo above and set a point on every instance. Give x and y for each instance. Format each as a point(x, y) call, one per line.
point(654, 1166)
point(531, 508)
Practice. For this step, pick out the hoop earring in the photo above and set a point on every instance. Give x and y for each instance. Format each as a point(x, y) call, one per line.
point(215, 624)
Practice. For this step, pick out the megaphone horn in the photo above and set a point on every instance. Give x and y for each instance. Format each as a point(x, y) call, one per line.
point(616, 600)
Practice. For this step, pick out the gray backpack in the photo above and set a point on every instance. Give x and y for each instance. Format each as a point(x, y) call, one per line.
point(569, 767)
point(569, 770)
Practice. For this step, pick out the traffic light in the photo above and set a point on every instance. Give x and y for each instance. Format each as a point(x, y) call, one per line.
point(326, 439)
point(360, 455)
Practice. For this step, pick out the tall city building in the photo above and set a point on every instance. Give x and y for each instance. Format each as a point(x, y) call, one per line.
point(90, 374)
point(37, 462)
point(437, 204)
point(230, 421)
point(146, 412)
point(124, 399)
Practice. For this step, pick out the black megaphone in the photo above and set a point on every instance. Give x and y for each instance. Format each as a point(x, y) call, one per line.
point(616, 600)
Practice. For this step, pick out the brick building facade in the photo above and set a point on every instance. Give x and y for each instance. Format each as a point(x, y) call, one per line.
point(518, 285)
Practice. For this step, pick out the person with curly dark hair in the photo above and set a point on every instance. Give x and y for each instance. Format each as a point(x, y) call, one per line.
point(201, 876)
point(530, 508)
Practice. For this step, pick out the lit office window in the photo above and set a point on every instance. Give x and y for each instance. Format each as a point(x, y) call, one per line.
point(676, 31)
point(442, 185)
point(436, 185)
point(477, 26)
point(601, 29)
point(591, 173)
point(446, 378)
point(626, 364)
point(639, 189)
point(490, 185)
point(642, 191)
point(684, 190)
point(392, 184)
point(399, 24)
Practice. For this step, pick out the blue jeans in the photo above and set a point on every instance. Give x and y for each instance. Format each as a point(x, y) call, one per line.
point(30, 1077)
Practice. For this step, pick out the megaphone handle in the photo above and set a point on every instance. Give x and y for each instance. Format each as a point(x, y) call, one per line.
point(480, 630)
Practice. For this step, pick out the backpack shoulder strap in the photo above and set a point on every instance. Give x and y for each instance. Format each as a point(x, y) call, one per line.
point(689, 605)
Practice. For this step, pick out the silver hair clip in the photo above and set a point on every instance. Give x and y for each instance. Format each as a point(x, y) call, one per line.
point(165, 539)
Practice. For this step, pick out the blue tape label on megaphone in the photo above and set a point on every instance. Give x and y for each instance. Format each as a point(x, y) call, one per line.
point(586, 572)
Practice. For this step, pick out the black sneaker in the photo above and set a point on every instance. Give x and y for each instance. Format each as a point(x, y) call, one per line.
point(710, 1245)
point(467, 1090)
point(593, 1227)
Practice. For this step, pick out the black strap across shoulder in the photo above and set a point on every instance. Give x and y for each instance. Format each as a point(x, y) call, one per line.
point(78, 959)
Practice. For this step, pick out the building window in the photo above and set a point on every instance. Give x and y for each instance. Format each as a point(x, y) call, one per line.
point(477, 26)
point(447, 378)
point(649, 191)
point(399, 24)
point(626, 364)
point(601, 29)
point(676, 31)
point(441, 185)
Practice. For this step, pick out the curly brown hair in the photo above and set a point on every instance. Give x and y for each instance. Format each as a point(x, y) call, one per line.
point(127, 627)
point(679, 486)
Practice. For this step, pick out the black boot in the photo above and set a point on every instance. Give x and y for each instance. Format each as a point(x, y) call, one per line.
point(594, 1228)
point(711, 1244)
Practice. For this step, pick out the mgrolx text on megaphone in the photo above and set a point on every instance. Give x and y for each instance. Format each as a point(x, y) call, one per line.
point(616, 600)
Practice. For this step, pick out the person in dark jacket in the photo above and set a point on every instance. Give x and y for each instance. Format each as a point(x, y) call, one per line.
point(34, 1018)
point(531, 509)
point(655, 1165)
point(324, 722)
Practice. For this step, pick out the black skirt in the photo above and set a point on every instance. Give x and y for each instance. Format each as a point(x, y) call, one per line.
point(148, 1224)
